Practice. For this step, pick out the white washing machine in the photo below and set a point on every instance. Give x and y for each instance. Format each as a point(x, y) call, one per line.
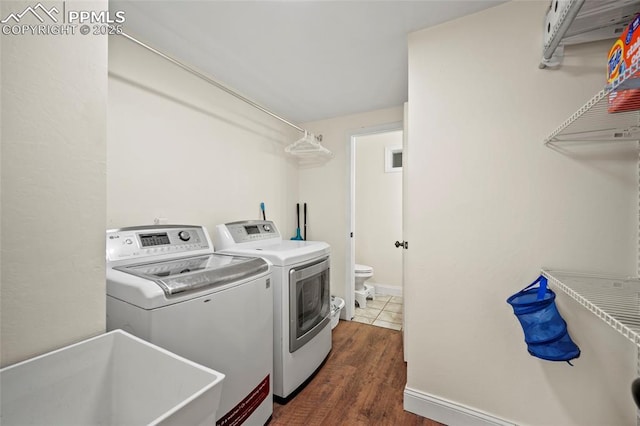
point(302, 329)
point(165, 285)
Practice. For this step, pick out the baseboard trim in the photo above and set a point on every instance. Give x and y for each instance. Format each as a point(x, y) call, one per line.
point(447, 412)
point(388, 289)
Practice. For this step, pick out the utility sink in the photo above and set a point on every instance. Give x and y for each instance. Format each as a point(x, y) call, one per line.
point(115, 378)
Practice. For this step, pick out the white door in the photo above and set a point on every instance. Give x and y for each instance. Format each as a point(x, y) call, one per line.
point(380, 216)
point(405, 209)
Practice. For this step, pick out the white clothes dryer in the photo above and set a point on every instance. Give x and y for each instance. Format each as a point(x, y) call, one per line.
point(302, 329)
point(165, 285)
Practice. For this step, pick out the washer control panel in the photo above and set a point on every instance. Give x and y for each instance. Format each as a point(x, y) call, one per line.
point(252, 230)
point(145, 241)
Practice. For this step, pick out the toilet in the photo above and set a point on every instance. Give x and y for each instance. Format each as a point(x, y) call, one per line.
point(363, 291)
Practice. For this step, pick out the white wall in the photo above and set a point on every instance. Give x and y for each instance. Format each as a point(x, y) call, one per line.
point(54, 100)
point(181, 149)
point(378, 208)
point(489, 205)
point(326, 188)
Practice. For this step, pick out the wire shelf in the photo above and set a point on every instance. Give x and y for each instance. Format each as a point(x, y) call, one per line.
point(594, 123)
point(615, 300)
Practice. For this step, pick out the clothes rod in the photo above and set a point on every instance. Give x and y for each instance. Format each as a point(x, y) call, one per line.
point(213, 82)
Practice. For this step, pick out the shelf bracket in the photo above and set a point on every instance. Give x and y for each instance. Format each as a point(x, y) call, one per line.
point(552, 55)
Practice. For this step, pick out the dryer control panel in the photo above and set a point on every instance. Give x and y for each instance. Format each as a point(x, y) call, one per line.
point(147, 241)
point(252, 230)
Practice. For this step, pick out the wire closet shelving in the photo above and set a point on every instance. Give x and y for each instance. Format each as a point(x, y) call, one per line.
point(614, 299)
point(594, 123)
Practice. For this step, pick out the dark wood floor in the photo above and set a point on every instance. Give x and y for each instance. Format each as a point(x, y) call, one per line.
point(361, 383)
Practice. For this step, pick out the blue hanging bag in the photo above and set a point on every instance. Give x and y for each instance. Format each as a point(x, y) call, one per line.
point(545, 331)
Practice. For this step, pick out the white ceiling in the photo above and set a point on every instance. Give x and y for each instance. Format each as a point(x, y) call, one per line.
point(303, 60)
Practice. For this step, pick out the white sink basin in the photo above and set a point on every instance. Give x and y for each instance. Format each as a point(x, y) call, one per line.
point(115, 378)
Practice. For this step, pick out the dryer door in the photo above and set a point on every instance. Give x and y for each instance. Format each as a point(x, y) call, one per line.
point(309, 302)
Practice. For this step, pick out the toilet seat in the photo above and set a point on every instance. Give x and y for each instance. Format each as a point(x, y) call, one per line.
point(363, 270)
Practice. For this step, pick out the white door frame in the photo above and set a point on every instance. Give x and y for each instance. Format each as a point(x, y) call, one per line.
point(349, 298)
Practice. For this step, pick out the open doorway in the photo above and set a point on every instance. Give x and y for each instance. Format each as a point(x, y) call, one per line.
point(374, 264)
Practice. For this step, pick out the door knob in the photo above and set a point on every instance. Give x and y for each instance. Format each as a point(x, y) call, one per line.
point(403, 244)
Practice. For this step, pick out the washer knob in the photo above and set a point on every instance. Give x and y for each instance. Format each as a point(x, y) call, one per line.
point(184, 235)
point(266, 227)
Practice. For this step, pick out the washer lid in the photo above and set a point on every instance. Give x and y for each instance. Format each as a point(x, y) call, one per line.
point(189, 273)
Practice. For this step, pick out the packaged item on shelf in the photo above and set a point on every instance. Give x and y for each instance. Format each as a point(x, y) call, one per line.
point(625, 52)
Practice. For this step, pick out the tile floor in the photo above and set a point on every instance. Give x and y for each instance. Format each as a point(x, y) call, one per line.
point(385, 311)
